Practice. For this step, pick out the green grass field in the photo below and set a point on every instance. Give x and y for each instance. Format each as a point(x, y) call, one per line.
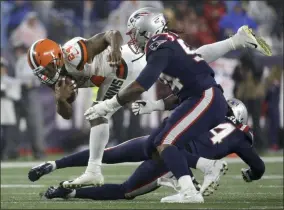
point(233, 193)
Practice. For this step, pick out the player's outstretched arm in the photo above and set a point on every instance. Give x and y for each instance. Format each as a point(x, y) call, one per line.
point(98, 43)
point(146, 107)
point(248, 154)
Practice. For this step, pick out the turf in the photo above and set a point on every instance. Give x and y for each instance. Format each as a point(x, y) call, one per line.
point(233, 193)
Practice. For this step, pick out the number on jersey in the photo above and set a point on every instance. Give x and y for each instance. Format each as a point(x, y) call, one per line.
point(173, 82)
point(221, 131)
point(186, 49)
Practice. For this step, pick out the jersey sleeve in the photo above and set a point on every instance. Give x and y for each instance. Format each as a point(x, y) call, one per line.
point(249, 155)
point(75, 52)
point(157, 62)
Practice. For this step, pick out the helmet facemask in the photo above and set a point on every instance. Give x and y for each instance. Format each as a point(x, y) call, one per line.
point(53, 68)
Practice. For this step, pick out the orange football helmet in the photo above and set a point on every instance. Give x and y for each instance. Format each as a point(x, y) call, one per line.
point(45, 58)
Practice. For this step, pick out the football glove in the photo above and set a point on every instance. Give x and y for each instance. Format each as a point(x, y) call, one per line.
point(146, 107)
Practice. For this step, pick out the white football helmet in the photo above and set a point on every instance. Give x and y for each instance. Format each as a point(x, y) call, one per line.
point(142, 25)
point(239, 110)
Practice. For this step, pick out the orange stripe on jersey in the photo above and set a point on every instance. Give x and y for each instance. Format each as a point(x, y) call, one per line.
point(84, 52)
point(97, 80)
point(122, 70)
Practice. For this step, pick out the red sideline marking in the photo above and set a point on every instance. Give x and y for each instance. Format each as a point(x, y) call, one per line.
point(233, 155)
point(25, 152)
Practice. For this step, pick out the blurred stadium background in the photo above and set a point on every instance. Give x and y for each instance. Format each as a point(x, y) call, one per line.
point(30, 127)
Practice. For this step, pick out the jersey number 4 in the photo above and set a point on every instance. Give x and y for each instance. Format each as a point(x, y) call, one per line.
point(221, 131)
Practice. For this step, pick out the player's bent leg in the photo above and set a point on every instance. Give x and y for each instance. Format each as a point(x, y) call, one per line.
point(192, 118)
point(133, 150)
point(145, 178)
point(104, 192)
point(142, 181)
point(99, 136)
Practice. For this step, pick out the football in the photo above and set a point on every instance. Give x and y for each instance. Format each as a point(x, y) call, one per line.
point(69, 81)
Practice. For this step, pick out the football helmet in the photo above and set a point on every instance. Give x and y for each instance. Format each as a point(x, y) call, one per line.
point(45, 58)
point(142, 25)
point(239, 110)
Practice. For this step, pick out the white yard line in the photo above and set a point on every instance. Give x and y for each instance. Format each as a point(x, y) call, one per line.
point(21, 186)
point(229, 160)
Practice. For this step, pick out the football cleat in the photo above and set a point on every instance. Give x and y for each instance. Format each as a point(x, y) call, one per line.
point(86, 179)
point(188, 196)
point(57, 192)
point(246, 37)
point(212, 176)
point(38, 171)
point(173, 183)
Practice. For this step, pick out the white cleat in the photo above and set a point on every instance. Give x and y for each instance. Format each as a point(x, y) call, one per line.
point(86, 179)
point(187, 196)
point(246, 37)
point(173, 183)
point(212, 175)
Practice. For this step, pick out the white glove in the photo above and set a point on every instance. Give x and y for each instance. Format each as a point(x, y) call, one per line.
point(146, 107)
point(103, 108)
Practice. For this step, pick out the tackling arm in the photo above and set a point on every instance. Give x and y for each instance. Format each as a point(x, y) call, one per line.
point(248, 154)
point(101, 41)
point(156, 63)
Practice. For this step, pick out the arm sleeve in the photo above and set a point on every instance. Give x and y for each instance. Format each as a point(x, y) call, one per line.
point(157, 62)
point(249, 155)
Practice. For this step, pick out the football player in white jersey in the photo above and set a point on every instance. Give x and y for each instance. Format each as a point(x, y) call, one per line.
point(96, 62)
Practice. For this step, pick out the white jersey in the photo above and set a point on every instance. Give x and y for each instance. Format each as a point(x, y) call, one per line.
point(99, 73)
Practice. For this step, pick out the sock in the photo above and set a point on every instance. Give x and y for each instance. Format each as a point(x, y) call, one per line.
point(99, 136)
point(212, 52)
point(175, 161)
point(185, 183)
point(130, 151)
point(105, 192)
point(75, 160)
point(202, 164)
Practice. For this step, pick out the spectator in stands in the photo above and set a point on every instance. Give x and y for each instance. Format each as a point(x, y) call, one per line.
point(6, 8)
point(213, 11)
point(235, 18)
point(29, 31)
point(273, 112)
point(250, 89)
point(18, 13)
point(10, 92)
point(30, 107)
point(204, 33)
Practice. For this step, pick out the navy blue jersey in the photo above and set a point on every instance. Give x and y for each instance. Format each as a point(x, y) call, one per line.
point(175, 64)
point(228, 138)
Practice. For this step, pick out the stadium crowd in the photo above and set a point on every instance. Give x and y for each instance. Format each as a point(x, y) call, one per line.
point(201, 22)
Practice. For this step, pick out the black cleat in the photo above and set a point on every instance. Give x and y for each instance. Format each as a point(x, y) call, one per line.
point(59, 192)
point(38, 171)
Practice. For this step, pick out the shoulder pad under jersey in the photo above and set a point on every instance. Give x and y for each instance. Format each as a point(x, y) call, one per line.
point(159, 41)
point(75, 53)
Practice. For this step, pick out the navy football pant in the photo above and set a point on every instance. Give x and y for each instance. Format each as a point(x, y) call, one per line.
point(193, 117)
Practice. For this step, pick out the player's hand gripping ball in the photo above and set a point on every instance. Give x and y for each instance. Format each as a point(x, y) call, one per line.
point(66, 89)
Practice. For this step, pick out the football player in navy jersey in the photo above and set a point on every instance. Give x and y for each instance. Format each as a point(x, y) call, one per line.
point(202, 105)
point(231, 136)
